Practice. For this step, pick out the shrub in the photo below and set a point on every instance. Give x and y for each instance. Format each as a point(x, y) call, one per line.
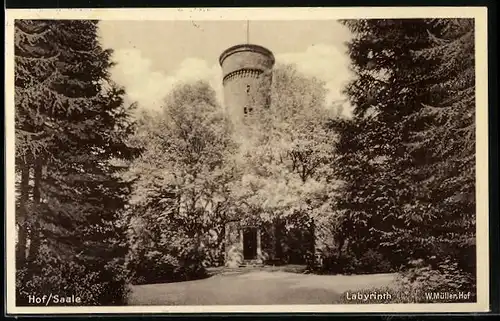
point(94, 282)
point(178, 261)
point(213, 248)
point(438, 277)
point(370, 261)
point(424, 284)
point(332, 264)
point(380, 295)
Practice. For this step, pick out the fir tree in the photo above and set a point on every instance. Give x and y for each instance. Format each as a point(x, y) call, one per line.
point(407, 157)
point(373, 156)
point(443, 145)
point(71, 124)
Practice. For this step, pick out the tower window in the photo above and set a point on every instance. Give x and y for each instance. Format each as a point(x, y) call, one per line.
point(245, 110)
point(248, 89)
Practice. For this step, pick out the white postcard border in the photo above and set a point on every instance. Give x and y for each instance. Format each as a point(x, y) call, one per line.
point(482, 229)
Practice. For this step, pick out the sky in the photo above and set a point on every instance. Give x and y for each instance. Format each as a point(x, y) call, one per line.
point(152, 56)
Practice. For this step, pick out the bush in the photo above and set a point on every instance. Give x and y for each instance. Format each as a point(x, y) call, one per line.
point(159, 264)
point(425, 284)
point(370, 261)
point(213, 248)
point(441, 282)
point(438, 277)
point(99, 285)
point(338, 265)
point(379, 295)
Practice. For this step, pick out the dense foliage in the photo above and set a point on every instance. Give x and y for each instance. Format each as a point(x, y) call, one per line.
point(71, 124)
point(198, 172)
point(180, 198)
point(407, 156)
point(285, 156)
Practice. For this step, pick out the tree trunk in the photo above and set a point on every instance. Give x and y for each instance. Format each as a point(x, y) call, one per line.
point(36, 232)
point(22, 235)
point(311, 255)
point(279, 239)
point(222, 245)
point(340, 245)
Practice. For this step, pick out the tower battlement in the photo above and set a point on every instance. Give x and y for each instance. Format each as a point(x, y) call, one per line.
point(247, 77)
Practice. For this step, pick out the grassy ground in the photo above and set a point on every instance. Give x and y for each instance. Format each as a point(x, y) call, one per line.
point(247, 287)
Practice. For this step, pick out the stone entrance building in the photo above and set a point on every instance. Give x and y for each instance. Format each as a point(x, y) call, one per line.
point(247, 79)
point(270, 243)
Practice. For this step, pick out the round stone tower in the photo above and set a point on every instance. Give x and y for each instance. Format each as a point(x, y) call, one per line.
point(247, 76)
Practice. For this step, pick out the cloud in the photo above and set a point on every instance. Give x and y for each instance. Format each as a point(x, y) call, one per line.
point(326, 62)
point(148, 87)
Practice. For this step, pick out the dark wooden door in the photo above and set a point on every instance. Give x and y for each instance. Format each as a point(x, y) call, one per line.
point(250, 244)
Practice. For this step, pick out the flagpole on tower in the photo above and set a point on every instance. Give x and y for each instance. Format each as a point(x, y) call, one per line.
point(248, 31)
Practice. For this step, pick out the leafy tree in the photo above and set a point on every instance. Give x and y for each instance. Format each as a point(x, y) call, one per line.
point(181, 180)
point(285, 155)
point(71, 123)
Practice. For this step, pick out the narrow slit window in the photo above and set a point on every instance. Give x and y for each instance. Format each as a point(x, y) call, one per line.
point(248, 89)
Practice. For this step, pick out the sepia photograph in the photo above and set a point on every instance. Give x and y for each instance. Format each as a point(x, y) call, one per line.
point(252, 160)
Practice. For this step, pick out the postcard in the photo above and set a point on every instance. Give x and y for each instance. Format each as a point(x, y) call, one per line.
point(247, 160)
